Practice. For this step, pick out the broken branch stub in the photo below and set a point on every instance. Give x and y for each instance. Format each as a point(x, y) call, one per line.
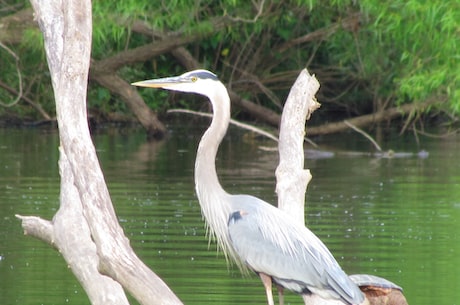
point(292, 178)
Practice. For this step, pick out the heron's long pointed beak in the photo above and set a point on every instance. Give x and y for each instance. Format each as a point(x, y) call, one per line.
point(159, 82)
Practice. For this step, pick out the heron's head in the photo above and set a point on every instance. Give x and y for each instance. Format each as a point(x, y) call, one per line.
point(197, 81)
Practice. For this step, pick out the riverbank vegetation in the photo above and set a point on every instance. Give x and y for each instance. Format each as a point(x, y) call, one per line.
point(376, 62)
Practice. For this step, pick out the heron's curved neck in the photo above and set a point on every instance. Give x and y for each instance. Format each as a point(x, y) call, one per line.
point(206, 179)
point(214, 201)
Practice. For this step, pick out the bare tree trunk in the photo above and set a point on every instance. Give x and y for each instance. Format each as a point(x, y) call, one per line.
point(85, 229)
point(292, 178)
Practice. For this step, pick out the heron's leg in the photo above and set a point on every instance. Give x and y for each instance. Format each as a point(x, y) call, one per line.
point(280, 294)
point(267, 281)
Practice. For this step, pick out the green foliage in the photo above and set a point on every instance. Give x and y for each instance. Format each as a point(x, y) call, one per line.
point(420, 40)
point(34, 77)
point(397, 50)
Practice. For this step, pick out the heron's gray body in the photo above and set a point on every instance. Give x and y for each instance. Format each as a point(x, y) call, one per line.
point(291, 254)
point(255, 234)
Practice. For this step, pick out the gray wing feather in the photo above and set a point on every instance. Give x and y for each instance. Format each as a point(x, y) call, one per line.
point(269, 241)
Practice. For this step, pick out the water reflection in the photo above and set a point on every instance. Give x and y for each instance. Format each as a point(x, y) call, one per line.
point(396, 218)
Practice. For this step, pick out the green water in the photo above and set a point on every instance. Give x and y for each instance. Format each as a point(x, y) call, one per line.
point(397, 218)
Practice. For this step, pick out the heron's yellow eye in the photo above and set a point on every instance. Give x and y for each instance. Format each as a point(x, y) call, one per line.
point(194, 78)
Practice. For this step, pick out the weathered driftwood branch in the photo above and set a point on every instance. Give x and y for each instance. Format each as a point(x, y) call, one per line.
point(69, 231)
point(37, 227)
point(85, 229)
point(73, 237)
point(292, 178)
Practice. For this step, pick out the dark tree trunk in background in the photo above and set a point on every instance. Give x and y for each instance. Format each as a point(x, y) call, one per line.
point(146, 117)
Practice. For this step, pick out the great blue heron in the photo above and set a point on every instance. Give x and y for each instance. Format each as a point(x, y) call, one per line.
point(255, 234)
